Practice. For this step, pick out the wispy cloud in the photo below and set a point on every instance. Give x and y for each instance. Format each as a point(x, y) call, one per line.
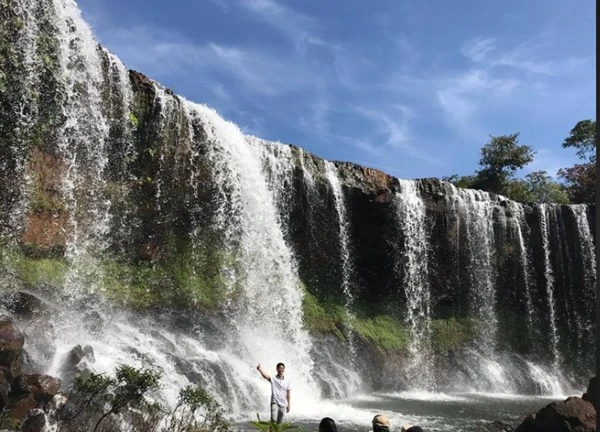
point(159, 52)
point(463, 97)
point(527, 56)
point(290, 22)
point(477, 49)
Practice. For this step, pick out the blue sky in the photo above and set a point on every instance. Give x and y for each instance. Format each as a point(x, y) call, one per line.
point(414, 88)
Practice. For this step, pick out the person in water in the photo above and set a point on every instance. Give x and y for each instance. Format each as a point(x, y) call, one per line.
point(380, 423)
point(411, 428)
point(280, 392)
point(327, 425)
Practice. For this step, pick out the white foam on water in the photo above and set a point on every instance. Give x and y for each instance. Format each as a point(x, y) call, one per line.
point(424, 396)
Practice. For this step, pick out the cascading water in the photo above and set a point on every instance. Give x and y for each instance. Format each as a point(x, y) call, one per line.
point(268, 310)
point(333, 178)
point(549, 277)
point(519, 222)
point(413, 258)
point(277, 161)
point(83, 146)
point(476, 209)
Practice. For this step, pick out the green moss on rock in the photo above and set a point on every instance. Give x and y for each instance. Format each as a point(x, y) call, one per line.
point(451, 333)
point(386, 333)
point(322, 318)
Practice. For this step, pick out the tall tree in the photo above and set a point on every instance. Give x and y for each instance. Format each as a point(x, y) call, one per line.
point(500, 158)
point(583, 138)
point(543, 189)
point(580, 179)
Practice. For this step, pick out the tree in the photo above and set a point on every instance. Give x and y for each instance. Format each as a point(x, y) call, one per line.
point(580, 179)
point(583, 138)
point(543, 189)
point(580, 182)
point(500, 159)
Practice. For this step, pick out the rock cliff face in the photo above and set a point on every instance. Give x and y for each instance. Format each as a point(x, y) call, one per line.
point(113, 184)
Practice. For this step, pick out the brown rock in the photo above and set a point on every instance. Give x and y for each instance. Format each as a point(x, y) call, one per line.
point(11, 345)
point(42, 387)
point(572, 415)
point(19, 406)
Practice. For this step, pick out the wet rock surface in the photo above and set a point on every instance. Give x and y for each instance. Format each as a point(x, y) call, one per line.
point(571, 415)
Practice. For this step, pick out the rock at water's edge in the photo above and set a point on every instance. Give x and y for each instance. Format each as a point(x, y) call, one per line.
point(571, 415)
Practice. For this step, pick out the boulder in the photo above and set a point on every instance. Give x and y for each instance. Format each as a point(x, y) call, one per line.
point(23, 305)
point(11, 345)
point(35, 421)
point(571, 415)
point(590, 393)
point(42, 387)
point(19, 406)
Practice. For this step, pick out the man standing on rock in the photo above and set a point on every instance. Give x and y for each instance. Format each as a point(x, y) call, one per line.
point(280, 392)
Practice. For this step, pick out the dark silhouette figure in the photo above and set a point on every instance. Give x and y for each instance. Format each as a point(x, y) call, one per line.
point(327, 425)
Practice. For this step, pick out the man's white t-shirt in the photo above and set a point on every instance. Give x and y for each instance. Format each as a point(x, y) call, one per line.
point(279, 389)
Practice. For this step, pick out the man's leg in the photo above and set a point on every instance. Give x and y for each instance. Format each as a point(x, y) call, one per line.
point(274, 412)
point(280, 414)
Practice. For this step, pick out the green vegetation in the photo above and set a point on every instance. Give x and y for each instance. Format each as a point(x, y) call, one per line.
point(269, 426)
point(102, 403)
point(451, 333)
point(580, 179)
point(322, 318)
point(386, 333)
point(135, 285)
point(502, 156)
point(33, 271)
point(133, 120)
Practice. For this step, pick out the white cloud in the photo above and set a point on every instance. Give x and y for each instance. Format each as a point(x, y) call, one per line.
point(530, 56)
point(476, 50)
point(290, 22)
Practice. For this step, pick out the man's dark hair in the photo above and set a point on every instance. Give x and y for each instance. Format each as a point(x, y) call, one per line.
point(279, 364)
point(327, 425)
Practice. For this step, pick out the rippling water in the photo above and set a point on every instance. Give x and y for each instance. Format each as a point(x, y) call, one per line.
point(457, 412)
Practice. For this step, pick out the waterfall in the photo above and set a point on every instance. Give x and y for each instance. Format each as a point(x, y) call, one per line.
point(278, 165)
point(476, 209)
point(587, 254)
point(83, 146)
point(276, 218)
point(267, 313)
point(333, 178)
point(525, 265)
point(413, 256)
point(549, 277)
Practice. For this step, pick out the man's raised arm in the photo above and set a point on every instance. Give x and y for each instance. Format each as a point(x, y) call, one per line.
point(263, 373)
